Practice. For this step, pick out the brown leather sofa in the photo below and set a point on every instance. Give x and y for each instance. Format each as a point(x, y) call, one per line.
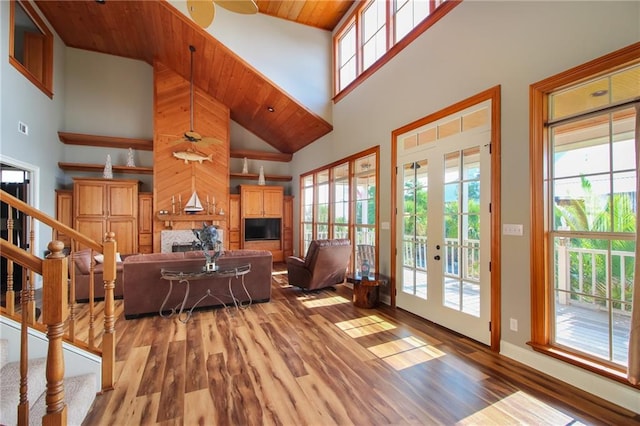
point(325, 264)
point(82, 264)
point(145, 289)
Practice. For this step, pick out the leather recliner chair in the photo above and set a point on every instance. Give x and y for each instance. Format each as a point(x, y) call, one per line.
point(324, 266)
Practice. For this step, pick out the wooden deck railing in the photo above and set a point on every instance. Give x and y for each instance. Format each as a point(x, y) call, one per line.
point(58, 307)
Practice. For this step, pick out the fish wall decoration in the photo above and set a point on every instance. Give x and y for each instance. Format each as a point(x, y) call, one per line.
point(192, 155)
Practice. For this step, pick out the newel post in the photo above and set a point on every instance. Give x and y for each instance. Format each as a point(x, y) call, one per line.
point(54, 314)
point(109, 337)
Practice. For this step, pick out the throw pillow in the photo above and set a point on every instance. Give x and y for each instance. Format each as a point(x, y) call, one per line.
point(99, 258)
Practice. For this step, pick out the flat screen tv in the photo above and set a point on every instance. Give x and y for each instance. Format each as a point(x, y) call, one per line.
point(261, 229)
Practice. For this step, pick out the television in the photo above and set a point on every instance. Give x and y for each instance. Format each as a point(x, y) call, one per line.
point(262, 229)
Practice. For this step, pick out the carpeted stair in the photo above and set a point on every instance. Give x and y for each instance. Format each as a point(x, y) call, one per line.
point(79, 391)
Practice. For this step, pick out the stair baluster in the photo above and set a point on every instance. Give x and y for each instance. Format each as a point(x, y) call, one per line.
point(92, 315)
point(54, 314)
point(11, 295)
point(109, 338)
point(23, 406)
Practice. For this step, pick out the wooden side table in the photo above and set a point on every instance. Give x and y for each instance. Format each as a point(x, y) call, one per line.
point(366, 292)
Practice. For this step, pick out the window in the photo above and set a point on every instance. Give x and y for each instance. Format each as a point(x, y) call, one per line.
point(307, 190)
point(583, 202)
point(409, 13)
point(374, 39)
point(340, 201)
point(347, 57)
point(31, 46)
point(365, 42)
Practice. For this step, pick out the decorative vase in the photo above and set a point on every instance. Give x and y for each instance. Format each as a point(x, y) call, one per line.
point(245, 166)
point(130, 160)
point(365, 268)
point(108, 172)
point(261, 180)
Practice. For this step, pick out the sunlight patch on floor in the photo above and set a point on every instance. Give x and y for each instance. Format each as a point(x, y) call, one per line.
point(364, 326)
point(516, 409)
point(359, 322)
point(325, 301)
point(405, 353)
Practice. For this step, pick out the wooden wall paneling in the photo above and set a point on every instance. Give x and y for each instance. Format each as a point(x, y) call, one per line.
point(174, 178)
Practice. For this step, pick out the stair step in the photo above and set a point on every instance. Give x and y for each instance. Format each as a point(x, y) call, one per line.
point(79, 394)
point(10, 388)
point(79, 391)
point(4, 352)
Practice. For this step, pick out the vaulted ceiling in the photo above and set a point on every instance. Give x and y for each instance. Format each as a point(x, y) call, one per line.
point(155, 30)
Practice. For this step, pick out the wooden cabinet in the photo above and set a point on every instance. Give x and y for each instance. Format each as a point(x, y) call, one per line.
point(145, 222)
point(64, 213)
point(261, 201)
point(287, 226)
point(102, 205)
point(234, 222)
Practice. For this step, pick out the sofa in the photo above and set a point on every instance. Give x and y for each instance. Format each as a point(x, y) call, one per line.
point(145, 289)
point(325, 264)
point(82, 264)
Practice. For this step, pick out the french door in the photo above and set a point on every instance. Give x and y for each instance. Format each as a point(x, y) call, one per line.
point(443, 232)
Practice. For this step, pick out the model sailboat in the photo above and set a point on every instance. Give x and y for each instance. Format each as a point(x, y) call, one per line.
point(193, 205)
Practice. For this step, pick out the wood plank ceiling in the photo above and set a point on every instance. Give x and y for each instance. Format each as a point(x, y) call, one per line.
point(155, 30)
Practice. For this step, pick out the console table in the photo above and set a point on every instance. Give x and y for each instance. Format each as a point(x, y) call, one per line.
point(186, 276)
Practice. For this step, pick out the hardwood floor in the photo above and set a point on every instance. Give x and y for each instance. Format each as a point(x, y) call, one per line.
point(315, 359)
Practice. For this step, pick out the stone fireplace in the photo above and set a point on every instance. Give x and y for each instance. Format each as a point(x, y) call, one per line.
point(181, 239)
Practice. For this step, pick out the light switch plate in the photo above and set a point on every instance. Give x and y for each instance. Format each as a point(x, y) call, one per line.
point(512, 229)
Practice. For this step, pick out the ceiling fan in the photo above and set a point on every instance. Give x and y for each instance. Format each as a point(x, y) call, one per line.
point(203, 11)
point(191, 135)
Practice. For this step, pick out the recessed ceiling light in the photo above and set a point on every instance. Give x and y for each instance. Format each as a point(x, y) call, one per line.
point(599, 93)
point(270, 109)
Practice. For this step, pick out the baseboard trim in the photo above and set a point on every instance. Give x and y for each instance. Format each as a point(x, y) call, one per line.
point(610, 390)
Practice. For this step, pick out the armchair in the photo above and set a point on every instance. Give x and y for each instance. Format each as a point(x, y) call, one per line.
point(324, 266)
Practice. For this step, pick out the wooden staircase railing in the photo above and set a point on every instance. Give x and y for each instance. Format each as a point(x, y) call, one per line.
point(58, 309)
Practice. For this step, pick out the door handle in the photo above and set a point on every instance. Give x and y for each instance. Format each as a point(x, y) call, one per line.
point(436, 257)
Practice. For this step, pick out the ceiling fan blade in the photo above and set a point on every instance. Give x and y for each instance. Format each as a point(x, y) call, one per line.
point(206, 141)
point(247, 7)
point(201, 11)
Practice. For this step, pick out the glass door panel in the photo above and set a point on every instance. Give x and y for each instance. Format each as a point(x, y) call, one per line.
point(443, 264)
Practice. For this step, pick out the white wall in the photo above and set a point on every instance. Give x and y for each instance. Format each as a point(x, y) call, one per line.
point(291, 55)
point(480, 44)
point(40, 150)
point(110, 96)
point(242, 139)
